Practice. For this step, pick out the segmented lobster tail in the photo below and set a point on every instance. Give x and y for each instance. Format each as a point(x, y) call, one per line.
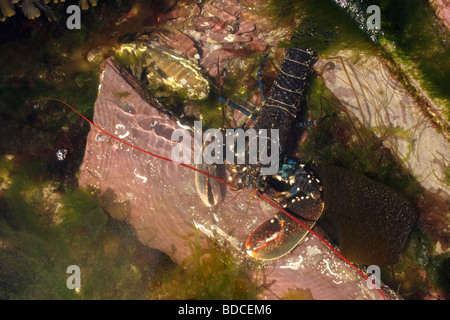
point(288, 91)
point(280, 109)
point(292, 80)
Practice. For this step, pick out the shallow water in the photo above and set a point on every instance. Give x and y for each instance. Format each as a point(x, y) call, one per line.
point(48, 222)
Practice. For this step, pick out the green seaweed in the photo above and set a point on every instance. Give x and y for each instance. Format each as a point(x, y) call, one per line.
point(321, 25)
point(413, 28)
point(297, 294)
point(210, 273)
point(438, 273)
point(411, 38)
point(38, 244)
point(211, 112)
point(447, 175)
point(40, 240)
point(420, 272)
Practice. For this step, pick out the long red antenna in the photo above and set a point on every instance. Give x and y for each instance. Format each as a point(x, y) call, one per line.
point(268, 200)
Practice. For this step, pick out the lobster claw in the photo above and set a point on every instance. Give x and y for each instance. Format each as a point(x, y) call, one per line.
point(208, 189)
point(279, 235)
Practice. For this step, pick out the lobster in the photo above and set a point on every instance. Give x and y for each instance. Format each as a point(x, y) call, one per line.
point(294, 187)
point(359, 206)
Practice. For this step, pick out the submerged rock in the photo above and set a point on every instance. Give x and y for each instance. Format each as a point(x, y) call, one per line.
point(158, 66)
point(372, 95)
point(380, 103)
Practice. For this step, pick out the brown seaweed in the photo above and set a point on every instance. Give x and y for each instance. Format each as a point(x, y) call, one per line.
point(370, 221)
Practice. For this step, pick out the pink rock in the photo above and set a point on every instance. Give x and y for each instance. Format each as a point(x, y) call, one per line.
point(231, 6)
point(256, 44)
point(180, 12)
point(215, 72)
point(178, 40)
point(205, 23)
point(229, 38)
point(209, 10)
point(442, 8)
point(245, 27)
point(215, 57)
point(162, 203)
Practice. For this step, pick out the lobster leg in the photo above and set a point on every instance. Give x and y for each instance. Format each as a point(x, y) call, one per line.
point(312, 123)
point(235, 106)
point(261, 88)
